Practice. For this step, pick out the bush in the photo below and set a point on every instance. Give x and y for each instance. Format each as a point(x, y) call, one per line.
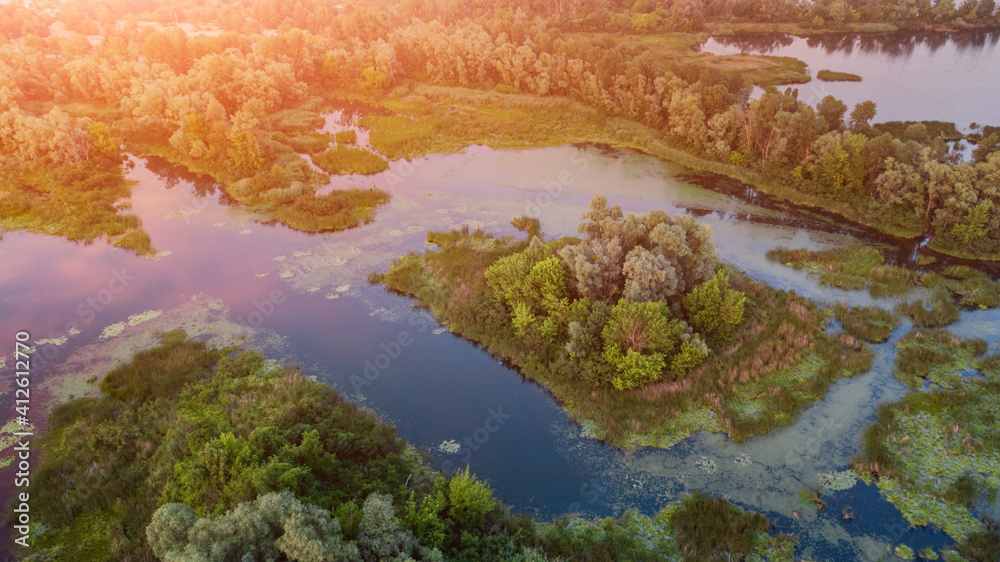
point(713, 306)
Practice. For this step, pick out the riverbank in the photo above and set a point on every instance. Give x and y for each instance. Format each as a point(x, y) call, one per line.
point(503, 120)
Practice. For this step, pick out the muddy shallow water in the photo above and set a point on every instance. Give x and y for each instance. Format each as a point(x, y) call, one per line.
point(305, 299)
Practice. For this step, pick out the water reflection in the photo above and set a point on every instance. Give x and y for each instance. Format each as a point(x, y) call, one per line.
point(911, 76)
point(901, 44)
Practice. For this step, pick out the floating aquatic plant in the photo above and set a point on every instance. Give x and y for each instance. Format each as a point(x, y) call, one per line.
point(843, 480)
point(137, 319)
point(708, 465)
point(113, 330)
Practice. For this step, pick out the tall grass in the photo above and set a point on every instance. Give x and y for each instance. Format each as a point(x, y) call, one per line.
point(973, 287)
point(936, 356)
point(338, 210)
point(940, 313)
point(831, 76)
point(870, 323)
point(853, 267)
point(346, 160)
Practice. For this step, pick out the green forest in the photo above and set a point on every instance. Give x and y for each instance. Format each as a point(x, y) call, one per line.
point(243, 107)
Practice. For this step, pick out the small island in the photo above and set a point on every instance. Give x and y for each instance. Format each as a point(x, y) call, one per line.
point(637, 329)
point(832, 76)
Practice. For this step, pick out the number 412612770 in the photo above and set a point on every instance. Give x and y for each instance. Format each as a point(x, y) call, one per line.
point(23, 368)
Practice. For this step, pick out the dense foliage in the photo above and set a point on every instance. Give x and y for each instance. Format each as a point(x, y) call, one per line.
point(192, 453)
point(635, 319)
point(237, 106)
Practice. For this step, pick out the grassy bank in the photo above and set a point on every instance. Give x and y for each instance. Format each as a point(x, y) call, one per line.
point(857, 267)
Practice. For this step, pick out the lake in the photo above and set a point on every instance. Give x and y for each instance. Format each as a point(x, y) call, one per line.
point(305, 299)
point(910, 76)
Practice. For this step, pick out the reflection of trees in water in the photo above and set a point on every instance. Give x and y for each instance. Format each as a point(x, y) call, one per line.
point(900, 44)
point(172, 174)
point(759, 43)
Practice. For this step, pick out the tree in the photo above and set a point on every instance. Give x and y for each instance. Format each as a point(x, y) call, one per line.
point(535, 290)
point(272, 527)
point(713, 306)
point(380, 535)
point(638, 257)
point(639, 339)
point(861, 116)
point(975, 227)
point(470, 499)
point(831, 111)
point(838, 11)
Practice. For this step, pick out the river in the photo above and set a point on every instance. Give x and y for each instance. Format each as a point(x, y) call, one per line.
point(305, 299)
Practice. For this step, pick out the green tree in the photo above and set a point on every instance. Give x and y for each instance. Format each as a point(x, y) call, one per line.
point(470, 499)
point(714, 306)
point(862, 115)
point(975, 227)
point(272, 527)
point(380, 536)
point(639, 340)
point(639, 257)
point(831, 111)
point(244, 150)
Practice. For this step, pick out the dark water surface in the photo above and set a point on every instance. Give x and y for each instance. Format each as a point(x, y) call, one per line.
point(225, 269)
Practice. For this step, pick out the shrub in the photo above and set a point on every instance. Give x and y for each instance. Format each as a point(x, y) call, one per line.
point(713, 306)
